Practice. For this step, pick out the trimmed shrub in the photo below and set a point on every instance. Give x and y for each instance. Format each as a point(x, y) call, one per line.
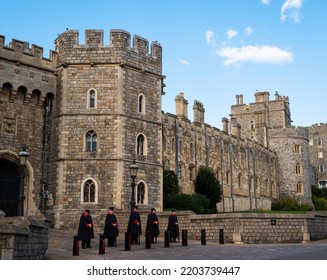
point(319, 192)
point(197, 203)
point(320, 203)
point(290, 204)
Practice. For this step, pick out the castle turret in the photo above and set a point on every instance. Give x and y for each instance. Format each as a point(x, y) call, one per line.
point(109, 97)
point(262, 96)
point(235, 128)
point(295, 172)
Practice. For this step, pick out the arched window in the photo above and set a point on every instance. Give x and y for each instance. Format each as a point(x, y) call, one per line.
point(191, 151)
point(90, 141)
point(239, 180)
point(7, 89)
point(298, 169)
point(319, 142)
point(218, 175)
point(180, 171)
point(165, 164)
point(163, 142)
point(173, 144)
point(297, 149)
point(141, 104)
point(91, 99)
point(320, 155)
point(140, 193)
point(321, 168)
point(299, 188)
point(192, 172)
point(227, 177)
point(273, 188)
point(89, 191)
point(141, 145)
point(22, 92)
point(180, 150)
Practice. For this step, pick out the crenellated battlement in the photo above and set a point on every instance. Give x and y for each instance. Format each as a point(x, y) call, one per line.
point(21, 52)
point(119, 49)
point(324, 125)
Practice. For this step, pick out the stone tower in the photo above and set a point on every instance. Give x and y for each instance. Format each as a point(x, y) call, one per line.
point(268, 122)
point(107, 113)
point(27, 88)
point(258, 117)
point(295, 171)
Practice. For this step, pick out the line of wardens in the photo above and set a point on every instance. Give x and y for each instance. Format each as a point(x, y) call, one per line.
point(85, 231)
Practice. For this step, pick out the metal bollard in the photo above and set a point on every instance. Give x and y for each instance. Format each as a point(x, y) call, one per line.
point(127, 241)
point(148, 240)
point(102, 245)
point(167, 239)
point(221, 236)
point(76, 246)
point(203, 237)
point(184, 237)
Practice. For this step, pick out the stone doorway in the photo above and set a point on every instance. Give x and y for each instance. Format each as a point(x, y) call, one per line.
point(9, 187)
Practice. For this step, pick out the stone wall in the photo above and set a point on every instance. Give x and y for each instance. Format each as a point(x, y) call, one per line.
point(245, 169)
point(318, 227)
point(243, 227)
point(318, 152)
point(23, 238)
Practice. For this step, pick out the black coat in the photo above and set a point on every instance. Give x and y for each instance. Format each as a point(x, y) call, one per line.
point(173, 226)
point(85, 231)
point(152, 224)
point(134, 224)
point(110, 226)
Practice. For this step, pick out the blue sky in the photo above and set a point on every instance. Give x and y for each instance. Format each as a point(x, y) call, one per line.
point(212, 49)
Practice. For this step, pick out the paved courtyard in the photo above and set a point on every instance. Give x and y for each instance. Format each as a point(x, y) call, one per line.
point(61, 248)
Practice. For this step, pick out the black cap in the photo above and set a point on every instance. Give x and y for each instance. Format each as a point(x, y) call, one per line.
point(153, 209)
point(136, 207)
point(174, 210)
point(87, 211)
point(111, 208)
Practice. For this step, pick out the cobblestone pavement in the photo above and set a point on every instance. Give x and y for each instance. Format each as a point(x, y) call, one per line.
point(61, 248)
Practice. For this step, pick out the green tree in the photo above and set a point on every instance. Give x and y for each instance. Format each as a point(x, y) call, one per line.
point(170, 187)
point(206, 183)
point(170, 182)
point(319, 192)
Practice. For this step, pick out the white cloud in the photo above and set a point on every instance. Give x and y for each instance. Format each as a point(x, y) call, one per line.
point(231, 33)
point(291, 9)
point(183, 61)
point(256, 54)
point(265, 2)
point(248, 30)
point(209, 36)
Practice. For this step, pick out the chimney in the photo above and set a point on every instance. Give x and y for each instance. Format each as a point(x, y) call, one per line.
point(237, 100)
point(241, 99)
point(181, 106)
point(225, 122)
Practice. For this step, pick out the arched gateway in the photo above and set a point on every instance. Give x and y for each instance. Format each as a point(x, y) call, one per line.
point(9, 187)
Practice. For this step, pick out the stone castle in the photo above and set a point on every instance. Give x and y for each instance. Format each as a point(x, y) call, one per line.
point(86, 112)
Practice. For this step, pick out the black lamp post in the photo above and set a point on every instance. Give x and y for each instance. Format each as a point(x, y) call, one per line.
point(133, 170)
point(23, 155)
